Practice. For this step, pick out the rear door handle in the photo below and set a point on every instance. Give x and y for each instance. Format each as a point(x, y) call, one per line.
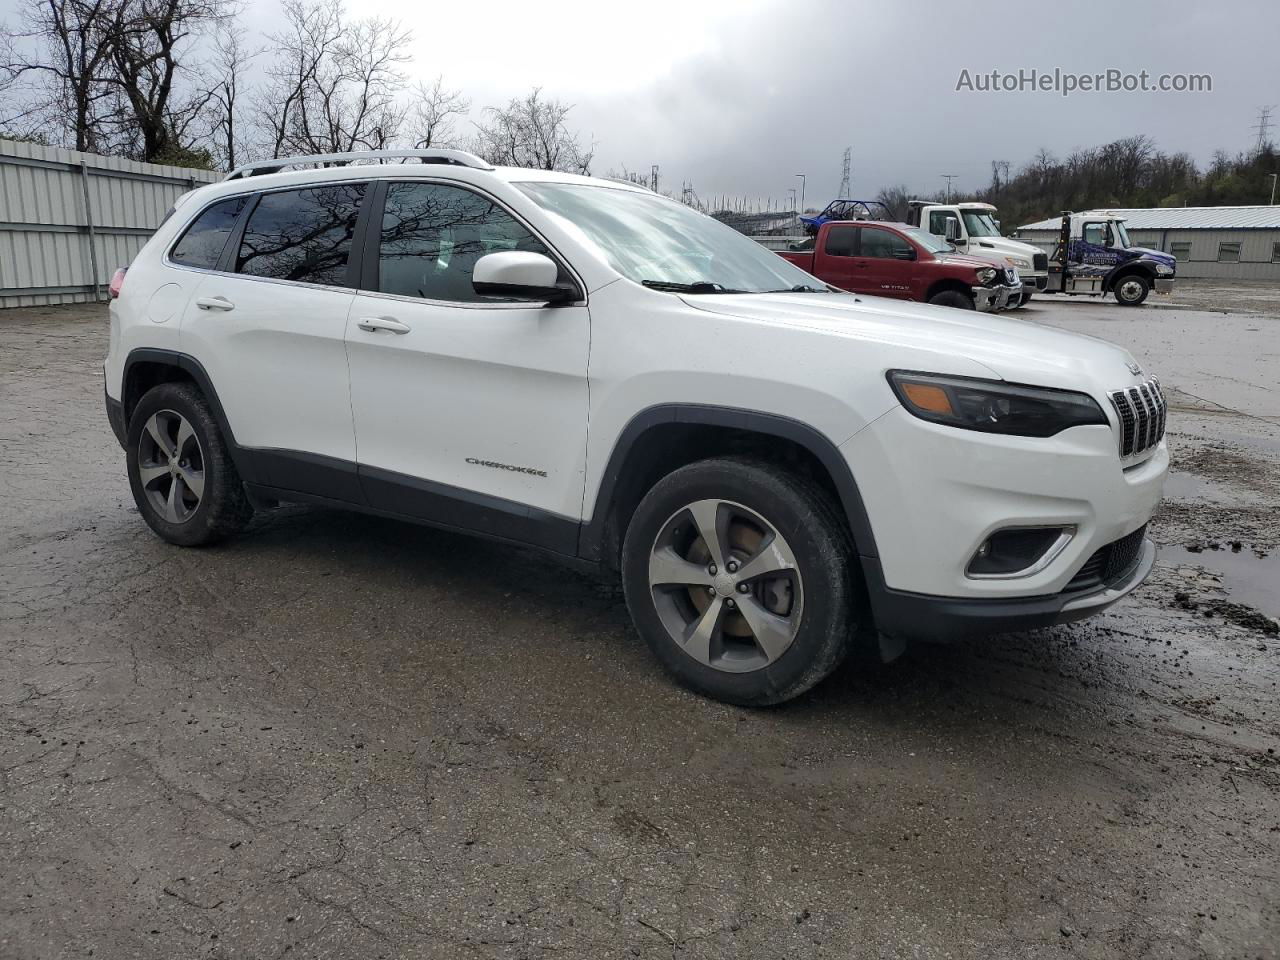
point(215, 303)
point(374, 324)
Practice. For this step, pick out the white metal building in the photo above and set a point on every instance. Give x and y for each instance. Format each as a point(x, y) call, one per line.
point(1226, 243)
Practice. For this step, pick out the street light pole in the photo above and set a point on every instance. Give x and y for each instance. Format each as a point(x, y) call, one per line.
point(948, 177)
point(802, 180)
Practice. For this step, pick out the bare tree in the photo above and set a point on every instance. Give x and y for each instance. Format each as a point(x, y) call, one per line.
point(895, 198)
point(532, 132)
point(231, 59)
point(61, 56)
point(152, 55)
point(431, 118)
point(333, 85)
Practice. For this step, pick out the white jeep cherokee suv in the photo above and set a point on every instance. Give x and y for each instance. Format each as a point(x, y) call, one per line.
point(588, 368)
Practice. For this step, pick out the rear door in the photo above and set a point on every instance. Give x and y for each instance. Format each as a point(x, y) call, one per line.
point(835, 261)
point(469, 411)
point(880, 270)
point(269, 325)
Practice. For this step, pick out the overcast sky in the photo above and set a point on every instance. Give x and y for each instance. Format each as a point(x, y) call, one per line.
point(737, 97)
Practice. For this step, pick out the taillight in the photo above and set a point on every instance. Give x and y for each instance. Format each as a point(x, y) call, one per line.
point(117, 281)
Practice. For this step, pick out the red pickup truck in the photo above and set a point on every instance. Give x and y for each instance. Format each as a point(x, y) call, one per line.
point(898, 260)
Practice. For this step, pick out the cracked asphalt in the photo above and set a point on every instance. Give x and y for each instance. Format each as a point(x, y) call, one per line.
point(340, 737)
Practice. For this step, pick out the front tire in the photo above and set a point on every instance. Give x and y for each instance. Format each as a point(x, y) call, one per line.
point(739, 576)
point(183, 480)
point(952, 298)
point(1131, 289)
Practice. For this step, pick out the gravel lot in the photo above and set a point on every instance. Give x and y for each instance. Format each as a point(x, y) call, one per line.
point(342, 737)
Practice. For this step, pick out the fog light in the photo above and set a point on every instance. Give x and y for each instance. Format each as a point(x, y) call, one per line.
point(1018, 552)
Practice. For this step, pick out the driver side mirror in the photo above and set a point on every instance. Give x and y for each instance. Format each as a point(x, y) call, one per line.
point(520, 275)
point(953, 230)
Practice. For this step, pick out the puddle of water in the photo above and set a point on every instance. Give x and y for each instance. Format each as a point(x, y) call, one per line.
point(1247, 578)
point(1189, 486)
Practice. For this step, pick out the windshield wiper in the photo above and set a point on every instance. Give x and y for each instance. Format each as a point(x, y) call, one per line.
point(799, 288)
point(698, 286)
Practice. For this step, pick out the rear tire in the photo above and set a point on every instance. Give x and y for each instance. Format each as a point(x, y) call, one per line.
point(183, 480)
point(1131, 289)
point(952, 298)
point(777, 614)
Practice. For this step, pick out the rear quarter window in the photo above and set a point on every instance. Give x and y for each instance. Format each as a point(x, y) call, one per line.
point(201, 243)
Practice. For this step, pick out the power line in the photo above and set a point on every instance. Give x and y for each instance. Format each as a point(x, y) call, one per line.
point(1263, 126)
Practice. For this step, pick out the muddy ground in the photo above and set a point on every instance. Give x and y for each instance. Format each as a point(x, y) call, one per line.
point(341, 737)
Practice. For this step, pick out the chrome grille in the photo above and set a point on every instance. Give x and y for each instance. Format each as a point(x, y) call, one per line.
point(1142, 411)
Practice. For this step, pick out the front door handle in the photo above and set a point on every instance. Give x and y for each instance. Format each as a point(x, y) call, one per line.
point(215, 303)
point(374, 324)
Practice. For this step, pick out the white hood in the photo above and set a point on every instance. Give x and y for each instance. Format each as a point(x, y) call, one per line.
point(1000, 248)
point(1019, 351)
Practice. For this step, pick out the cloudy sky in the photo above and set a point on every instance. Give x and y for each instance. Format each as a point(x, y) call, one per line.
point(737, 97)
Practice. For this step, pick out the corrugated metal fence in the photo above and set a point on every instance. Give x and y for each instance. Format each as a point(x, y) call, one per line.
point(68, 219)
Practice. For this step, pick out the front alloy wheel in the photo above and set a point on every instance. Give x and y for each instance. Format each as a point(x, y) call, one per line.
point(726, 585)
point(740, 575)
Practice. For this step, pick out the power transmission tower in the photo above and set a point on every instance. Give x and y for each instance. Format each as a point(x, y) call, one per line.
point(653, 178)
point(949, 177)
point(1263, 126)
point(845, 170)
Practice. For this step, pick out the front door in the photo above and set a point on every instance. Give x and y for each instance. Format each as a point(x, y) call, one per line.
point(881, 269)
point(469, 411)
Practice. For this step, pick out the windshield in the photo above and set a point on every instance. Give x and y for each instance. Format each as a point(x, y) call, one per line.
point(979, 223)
point(1122, 235)
point(659, 242)
point(930, 241)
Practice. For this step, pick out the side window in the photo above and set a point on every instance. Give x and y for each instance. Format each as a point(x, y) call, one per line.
point(841, 242)
point(432, 236)
point(201, 243)
point(882, 243)
point(938, 222)
point(302, 235)
point(1181, 249)
point(1228, 252)
point(1095, 233)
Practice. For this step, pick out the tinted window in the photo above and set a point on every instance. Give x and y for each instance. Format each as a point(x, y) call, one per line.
point(432, 236)
point(302, 235)
point(841, 241)
point(202, 243)
point(938, 222)
point(882, 243)
point(1094, 233)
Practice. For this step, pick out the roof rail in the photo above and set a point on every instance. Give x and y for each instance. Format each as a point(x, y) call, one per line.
point(460, 158)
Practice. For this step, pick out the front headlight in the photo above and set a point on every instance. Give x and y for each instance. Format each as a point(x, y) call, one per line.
point(1019, 262)
point(993, 406)
point(987, 274)
point(1163, 269)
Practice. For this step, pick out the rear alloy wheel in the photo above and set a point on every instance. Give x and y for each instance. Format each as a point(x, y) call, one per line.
point(171, 466)
point(738, 575)
point(183, 480)
point(1131, 290)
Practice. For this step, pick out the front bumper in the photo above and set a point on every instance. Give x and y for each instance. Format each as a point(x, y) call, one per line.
point(1163, 285)
point(914, 616)
point(995, 299)
point(934, 494)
